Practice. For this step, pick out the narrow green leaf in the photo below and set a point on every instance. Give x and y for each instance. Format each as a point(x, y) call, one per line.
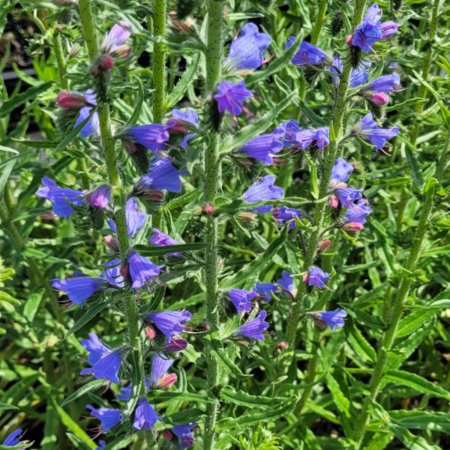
point(422, 420)
point(92, 312)
point(83, 390)
point(339, 398)
point(73, 134)
point(241, 398)
point(160, 251)
point(32, 304)
point(186, 80)
point(134, 117)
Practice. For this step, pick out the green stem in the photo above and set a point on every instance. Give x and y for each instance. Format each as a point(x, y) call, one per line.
point(211, 184)
point(108, 145)
point(159, 62)
point(336, 132)
point(319, 21)
point(59, 54)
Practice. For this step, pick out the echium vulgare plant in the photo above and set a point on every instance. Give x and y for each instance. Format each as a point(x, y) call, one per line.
point(245, 247)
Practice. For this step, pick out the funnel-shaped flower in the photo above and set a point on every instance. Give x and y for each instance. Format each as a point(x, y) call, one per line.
point(79, 289)
point(254, 329)
point(145, 416)
point(231, 97)
point(263, 189)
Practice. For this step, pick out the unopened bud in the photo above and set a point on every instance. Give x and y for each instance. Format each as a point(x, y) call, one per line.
point(71, 100)
point(282, 345)
point(324, 245)
point(176, 345)
point(353, 226)
point(379, 98)
point(208, 209)
point(122, 51)
point(150, 332)
point(349, 40)
point(168, 435)
point(105, 62)
point(111, 243)
point(124, 270)
point(166, 381)
point(333, 201)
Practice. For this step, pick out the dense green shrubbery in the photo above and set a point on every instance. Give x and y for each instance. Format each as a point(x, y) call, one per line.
point(351, 355)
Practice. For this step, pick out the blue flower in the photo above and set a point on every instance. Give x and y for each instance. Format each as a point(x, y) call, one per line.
point(254, 329)
point(320, 137)
point(369, 130)
point(287, 131)
point(263, 189)
point(358, 212)
point(187, 117)
point(112, 273)
point(159, 239)
point(358, 76)
point(308, 54)
point(231, 97)
point(386, 83)
point(286, 282)
point(104, 361)
point(341, 171)
point(388, 29)
point(348, 196)
point(99, 198)
point(184, 435)
point(316, 277)
point(334, 319)
point(116, 37)
point(282, 215)
point(108, 417)
point(265, 290)
point(161, 175)
point(169, 323)
point(135, 218)
point(160, 378)
point(241, 299)
point(79, 289)
point(152, 136)
point(13, 438)
point(145, 416)
point(141, 270)
point(247, 50)
point(61, 198)
point(262, 148)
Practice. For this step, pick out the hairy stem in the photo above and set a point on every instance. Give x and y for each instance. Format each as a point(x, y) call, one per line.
point(159, 62)
point(211, 184)
point(319, 21)
point(336, 132)
point(108, 146)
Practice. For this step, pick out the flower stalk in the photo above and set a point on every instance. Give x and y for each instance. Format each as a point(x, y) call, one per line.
point(159, 61)
point(211, 184)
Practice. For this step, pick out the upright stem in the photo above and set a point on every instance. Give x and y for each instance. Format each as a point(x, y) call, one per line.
point(59, 54)
point(159, 62)
point(336, 132)
point(108, 145)
point(319, 21)
point(211, 184)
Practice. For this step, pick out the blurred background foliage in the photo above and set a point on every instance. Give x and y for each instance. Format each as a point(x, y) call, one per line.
point(42, 52)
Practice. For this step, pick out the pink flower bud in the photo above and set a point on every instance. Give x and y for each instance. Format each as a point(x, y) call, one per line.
point(71, 100)
point(333, 201)
point(124, 270)
point(353, 226)
point(208, 209)
point(305, 278)
point(122, 51)
point(324, 245)
point(349, 40)
point(167, 435)
point(111, 243)
point(166, 381)
point(282, 345)
point(379, 98)
point(105, 62)
point(150, 332)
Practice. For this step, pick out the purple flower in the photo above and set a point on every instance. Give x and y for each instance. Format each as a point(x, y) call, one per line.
point(160, 378)
point(287, 132)
point(169, 323)
point(369, 130)
point(188, 116)
point(145, 416)
point(184, 435)
point(308, 54)
point(254, 329)
point(160, 239)
point(61, 198)
point(316, 277)
point(108, 417)
point(263, 189)
point(141, 270)
point(101, 444)
point(100, 197)
point(152, 136)
point(386, 83)
point(286, 282)
point(175, 345)
point(262, 209)
point(334, 319)
point(231, 97)
point(358, 212)
point(282, 214)
point(135, 218)
point(348, 196)
point(92, 126)
point(265, 290)
point(358, 76)
point(116, 37)
point(262, 148)
point(79, 289)
point(247, 50)
point(319, 137)
point(112, 273)
point(104, 361)
point(161, 175)
point(388, 29)
point(13, 438)
point(241, 299)
point(341, 171)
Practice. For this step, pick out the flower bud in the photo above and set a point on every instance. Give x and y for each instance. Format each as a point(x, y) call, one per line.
point(349, 40)
point(353, 226)
point(333, 201)
point(388, 29)
point(122, 51)
point(176, 345)
point(324, 245)
point(168, 435)
point(208, 209)
point(100, 197)
point(71, 100)
point(150, 332)
point(282, 345)
point(379, 98)
point(111, 243)
point(105, 62)
point(166, 381)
